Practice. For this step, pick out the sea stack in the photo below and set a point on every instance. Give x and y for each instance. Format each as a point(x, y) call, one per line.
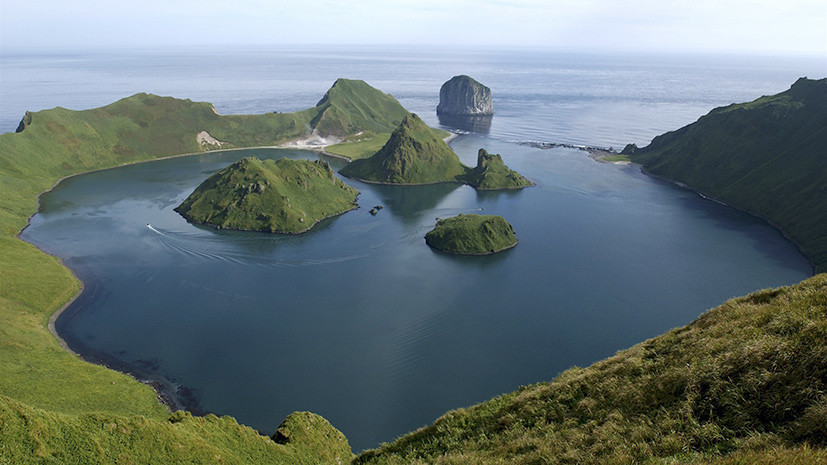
point(464, 96)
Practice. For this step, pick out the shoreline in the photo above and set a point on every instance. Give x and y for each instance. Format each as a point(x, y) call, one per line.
point(167, 396)
point(471, 254)
point(813, 268)
point(164, 391)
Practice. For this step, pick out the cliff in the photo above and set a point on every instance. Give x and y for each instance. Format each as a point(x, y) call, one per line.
point(767, 157)
point(462, 95)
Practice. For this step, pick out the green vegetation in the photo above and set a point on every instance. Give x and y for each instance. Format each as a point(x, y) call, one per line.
point(748, 378)
point(366, 144)
point(415, 155)
point(492, 174)
point(744, 383)
point(37, 376)
point(283, 196)
point(765, 157)
point(31, 435)
point(412, 155)
point(472, 235)
point(614, 158)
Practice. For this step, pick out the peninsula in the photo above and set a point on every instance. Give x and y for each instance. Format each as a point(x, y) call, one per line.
point(472, 235)
point(284, 196)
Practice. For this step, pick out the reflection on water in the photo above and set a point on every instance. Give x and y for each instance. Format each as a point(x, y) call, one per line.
point(467, 123)
point(358, 319)
point(410, 203)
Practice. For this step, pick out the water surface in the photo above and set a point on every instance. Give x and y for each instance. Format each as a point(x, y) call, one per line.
point(359, 320)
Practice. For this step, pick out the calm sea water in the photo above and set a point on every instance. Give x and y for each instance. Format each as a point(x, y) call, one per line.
point(359, 320)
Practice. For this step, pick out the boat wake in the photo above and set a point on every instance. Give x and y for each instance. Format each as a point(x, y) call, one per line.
point(257, 249)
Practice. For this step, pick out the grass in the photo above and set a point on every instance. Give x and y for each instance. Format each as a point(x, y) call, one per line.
point(35, 436)
point(414, 154)
point(36, 375)
point(745, 381)
point(492, 174)
point(472, 235)
point(765, 157)
point(283, 196)
point(614, 158)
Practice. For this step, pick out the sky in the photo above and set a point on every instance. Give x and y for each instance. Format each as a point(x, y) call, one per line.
point(758, 26)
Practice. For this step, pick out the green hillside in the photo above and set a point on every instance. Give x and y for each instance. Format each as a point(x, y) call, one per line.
point(492, 174)
point(747, 378)
point(34, 436)
point(412, 155)
point(34, 369)
point(283, 196)
point(471, 235)
point(768, 157)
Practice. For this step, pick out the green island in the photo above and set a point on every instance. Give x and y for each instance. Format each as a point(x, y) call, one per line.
point(491, 173)
point(284, 196)
point(765, 157)
point(743, 383)
point(415, 155)
point(472, 235)
point(55, 407)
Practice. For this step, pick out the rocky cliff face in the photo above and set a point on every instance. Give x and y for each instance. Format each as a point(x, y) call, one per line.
point(462, 95)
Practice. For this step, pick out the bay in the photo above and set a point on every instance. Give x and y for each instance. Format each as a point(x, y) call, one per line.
point(359, 320)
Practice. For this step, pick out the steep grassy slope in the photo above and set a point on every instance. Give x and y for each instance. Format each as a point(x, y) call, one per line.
point(412, 155)
point(284, 196)
point(749, 377)
point(492, 174)
point(472, 235)
point(34, 369)
point(365, 145)
point(768, 157)
point(31, 435)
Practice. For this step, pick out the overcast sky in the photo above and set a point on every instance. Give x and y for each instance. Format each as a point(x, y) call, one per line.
point(765, 26)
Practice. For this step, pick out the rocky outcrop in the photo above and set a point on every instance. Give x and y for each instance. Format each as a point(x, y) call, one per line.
point(25, 122)
point(462, 95)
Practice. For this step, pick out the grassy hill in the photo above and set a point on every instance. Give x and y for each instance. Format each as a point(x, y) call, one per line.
point(492, 174)
point(284, 196)
point(747, 378)
point(33, 436)
point(412, 155)
point(35, 371)
point(768, 157)
point(472, 235)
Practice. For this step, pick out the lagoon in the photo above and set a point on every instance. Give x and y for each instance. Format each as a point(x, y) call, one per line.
point(359, 320)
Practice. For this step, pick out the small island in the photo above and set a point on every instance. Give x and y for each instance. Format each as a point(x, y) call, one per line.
point(472, 235)
point(491, 173)
point(284, 196)
point(412, 155)
point(415, 155)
